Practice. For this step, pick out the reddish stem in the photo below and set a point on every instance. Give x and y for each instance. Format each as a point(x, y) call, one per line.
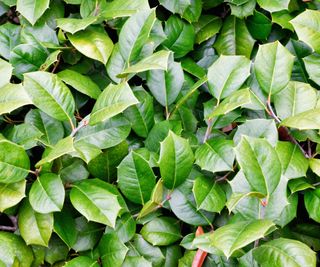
point(201, 255)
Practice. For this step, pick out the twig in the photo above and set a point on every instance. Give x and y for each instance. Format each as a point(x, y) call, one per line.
point(81, 125)
point(56, 64)
point(12, 228)
point(223, 178)
point(208, 131)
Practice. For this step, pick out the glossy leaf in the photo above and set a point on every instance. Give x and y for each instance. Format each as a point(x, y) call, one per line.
point(273, 5)
point(74, 25)
point(304, 121)
point(32, 10)
point(11, 194)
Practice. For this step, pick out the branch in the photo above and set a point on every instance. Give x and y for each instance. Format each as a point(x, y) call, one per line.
point(12, 228)
point(81, 125)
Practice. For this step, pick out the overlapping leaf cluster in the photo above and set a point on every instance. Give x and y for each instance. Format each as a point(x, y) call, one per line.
point(127, 125)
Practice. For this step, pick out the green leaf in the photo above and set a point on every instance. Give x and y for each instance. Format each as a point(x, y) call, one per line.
point(244, 10)
point(74, 25)
point(312, 202)
point(134, 34)
point(263, 175)
point(157, 61)
point(165, 85)
point(48, 93)
point(93, 42)
point(273, 66)
point(13, 96)
point(294, 164)
point(227, 74)
point(124, 8)
point(176, 159)
point(125, 228)
point(206, 27)
point(216, 155)
point(287, 252)
point(6, 72)
point(9, 38)
point(259, 25)
point(180, 36)
point(283, 18)
point(135, 178)
point(89, 198)
point(112, 250)
point(273, 5)
point(175, 6)
point(32, 10)
point(64, 146)
point(11, 194)
point(300, 184)
point(51, 59)
point(315, 165)
point(311, 63)
point(35, 228)
point(47, 193)
point(161, 231)
point(307, 28)
point(14, 162)
point(82, 261)
point(112, 101)
point(65, 227)
point(136, 261)
point(296, 98)
point(231, 237)
point(80, 82)
point(209, 195)
point(304, 121)
point(14, 250)
point(234, 38)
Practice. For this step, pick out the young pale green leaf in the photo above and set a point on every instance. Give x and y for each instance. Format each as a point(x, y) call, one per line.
point(112, 101)
point(311, 63)
point(74, 25)
point(65, 227)
point(294, 164)
point(274, 5)
point(273, 66)
point(233, 101)
point(227, 74)
point(307, 27)
point(134, 34)
point(315, 165)
point(32, 10)
point(231, 237)
point(93, 42)
point(5, 72)
point(35, 228)
point(208, 194)
point(176, 159)
point(263, 175)
point(123, 8)
point(48, 93)
point(216, 155)
point(11, 194)
point(47, 193)
point(80, 82)
point(296, 98)
point(82, 261)
point(307, 120)
point(135, 178)
point(206, 27)
point(284, 252)
point(259, 128)
point(165, 85)
point(89, 198)
point(13, 96)
point(157, 61)
point(13, 250)
point(234, 38)
point(64, 146)
point(51, 59)
point(162, 231)
point(112, 250)
point(14, 162)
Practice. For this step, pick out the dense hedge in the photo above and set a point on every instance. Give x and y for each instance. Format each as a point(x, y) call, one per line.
point(159, 133)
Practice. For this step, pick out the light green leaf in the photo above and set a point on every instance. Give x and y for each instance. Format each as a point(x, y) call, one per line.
point(176, 159)
point(274, 5)
point(284, 252)
point(307, 120)
point(300, 184)
point(32, 10)
point(47, 193)
point(315, 165)
point(307, 27)
point(112, 101)
point(82, 261)
point(11, 194)
point(5, 72)
point(14, 162)
point(74, 25)
point(236, 198)
point(64, 146)
point(283, 18)
point(208, 194)
point(9, 38)
point(161, 231)
point(93, 42)
point(263, 175)
point(51, 59)
point(35, 228)
point(89, 198)
point(48, 93)
point(216, 155)
point(80, 82)
point(296, 98)
point(227, 74)
point(311, 63)
point(157, 61)
point(124, 8)
point(234, 38)
point(175, 6)
point(273, 66)
point(206, 27)
point(13, 96)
